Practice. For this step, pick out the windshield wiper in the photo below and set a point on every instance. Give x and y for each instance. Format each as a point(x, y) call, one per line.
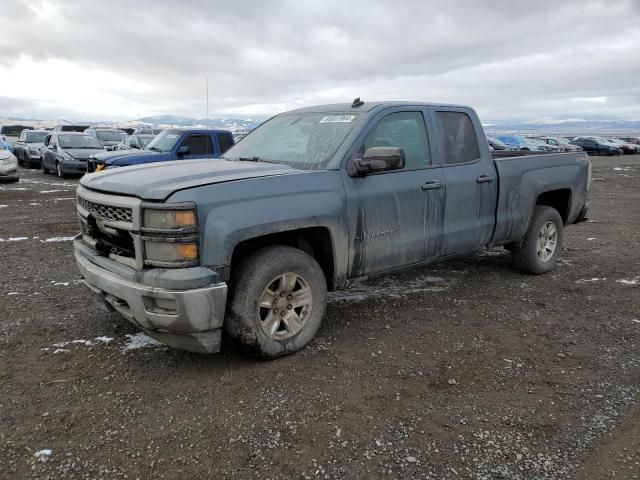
point(252, 159)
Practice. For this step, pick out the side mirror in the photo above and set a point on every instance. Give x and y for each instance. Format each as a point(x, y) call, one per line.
point(183, 150)
point(377, 159)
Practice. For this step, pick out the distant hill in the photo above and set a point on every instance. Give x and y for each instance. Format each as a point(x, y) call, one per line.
point(568, 127)
point(234, 124)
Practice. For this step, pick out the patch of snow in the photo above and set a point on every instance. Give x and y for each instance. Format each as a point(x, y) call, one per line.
point(58, 239)
point(64, 284)
point(635, 320)
point(140, 340)
point(591, 238)
point(390, 287)
point(630, 281)
point(65, 198)
point(13, 293)
point(35, 203)
point(50, 191)
point(4, 206)
point(17, 239)
point(104, 339)
point(60, 350)
point(43, 455)
point(586, 280)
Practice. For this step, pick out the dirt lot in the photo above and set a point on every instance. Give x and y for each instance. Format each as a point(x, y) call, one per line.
point(466, 369)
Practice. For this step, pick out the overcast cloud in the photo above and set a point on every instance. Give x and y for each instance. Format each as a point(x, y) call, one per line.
point(509, 59)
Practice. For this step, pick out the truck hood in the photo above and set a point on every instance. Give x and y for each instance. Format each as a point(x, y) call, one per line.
point(111, 158)
point(157, 181)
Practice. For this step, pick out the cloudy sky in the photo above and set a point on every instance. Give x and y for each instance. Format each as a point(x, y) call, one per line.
point(511, 59)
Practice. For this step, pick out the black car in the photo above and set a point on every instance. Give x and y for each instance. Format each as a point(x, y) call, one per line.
point(29, 147)
point(596, 146)
point(67, 152)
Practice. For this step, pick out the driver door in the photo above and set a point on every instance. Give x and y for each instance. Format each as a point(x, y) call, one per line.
point(395, 216)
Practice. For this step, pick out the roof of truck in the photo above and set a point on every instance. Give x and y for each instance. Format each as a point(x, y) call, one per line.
point(368, 106)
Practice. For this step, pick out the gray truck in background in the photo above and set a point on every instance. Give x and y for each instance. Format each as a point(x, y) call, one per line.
point(308, 202)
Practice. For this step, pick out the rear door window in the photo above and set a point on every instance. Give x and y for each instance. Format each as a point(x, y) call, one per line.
point(457, 137)
point(199, 144)
point(226, 141)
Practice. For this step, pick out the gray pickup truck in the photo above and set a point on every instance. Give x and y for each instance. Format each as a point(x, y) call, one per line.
point(310, 201)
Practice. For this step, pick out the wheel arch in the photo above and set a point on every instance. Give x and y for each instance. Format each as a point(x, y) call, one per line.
point(315, 241)
point(560, 199)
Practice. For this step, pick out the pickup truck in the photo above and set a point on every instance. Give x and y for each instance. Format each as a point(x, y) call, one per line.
point(310, 201)
point(170, 144)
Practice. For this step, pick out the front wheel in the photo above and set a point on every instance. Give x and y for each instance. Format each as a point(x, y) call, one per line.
point(538, 251)
point(59, 171)
point(42, 167)
point(277, 301)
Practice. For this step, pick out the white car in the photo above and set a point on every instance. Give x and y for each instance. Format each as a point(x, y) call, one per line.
point(8, 166)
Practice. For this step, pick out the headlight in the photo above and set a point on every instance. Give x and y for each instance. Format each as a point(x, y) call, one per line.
point(170, 219)
point(170, 235)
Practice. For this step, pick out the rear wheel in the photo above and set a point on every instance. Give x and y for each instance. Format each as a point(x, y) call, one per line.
point(277, 301)
point(539, 249)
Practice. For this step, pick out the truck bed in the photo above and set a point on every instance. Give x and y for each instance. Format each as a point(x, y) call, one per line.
point(524, 177)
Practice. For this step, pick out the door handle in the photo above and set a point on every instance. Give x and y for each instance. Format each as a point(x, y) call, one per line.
point(431, 186)
point(484, 179)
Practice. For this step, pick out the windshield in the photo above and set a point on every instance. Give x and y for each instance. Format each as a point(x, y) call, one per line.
point(110, 135)
point(78, 141)
point(36, 137)
point(144, 141)
point(165, 141)
point(303, 140)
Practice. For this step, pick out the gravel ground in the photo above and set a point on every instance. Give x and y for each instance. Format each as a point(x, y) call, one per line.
point(465, 369)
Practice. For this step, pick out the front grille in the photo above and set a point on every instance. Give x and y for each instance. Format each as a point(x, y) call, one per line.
point(107, 212)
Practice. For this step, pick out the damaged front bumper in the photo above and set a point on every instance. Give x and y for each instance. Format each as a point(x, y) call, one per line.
point(183, 308)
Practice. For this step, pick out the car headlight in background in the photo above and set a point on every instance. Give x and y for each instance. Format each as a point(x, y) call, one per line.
point(170, 235)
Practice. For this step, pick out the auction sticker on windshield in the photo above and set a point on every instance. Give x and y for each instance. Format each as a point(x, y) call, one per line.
point(337, 119)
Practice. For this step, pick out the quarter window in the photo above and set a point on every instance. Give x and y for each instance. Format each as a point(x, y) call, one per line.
point(405, 130)
point(457, 137)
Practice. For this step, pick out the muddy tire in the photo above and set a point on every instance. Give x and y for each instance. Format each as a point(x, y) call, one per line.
point(277, 301)
point(538, 251)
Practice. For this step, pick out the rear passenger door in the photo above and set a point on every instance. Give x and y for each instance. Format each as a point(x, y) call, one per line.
point(199, 146)
point(470, 178)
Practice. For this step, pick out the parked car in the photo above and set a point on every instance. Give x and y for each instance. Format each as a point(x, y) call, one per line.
point(561, 142)
point(4, 145)
point(8, 166)
point(66, 152)
point(138, 142)
point(546, 146)
point(521, 143)
point(108, 137)
point(10, 133)
point(70, 128)
point(171, 144)
point(29, 147)
point(310, 201)
point(627, 147)
point(596, 146)
point(146, 131)
point(498, 145)
point(634, 140)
